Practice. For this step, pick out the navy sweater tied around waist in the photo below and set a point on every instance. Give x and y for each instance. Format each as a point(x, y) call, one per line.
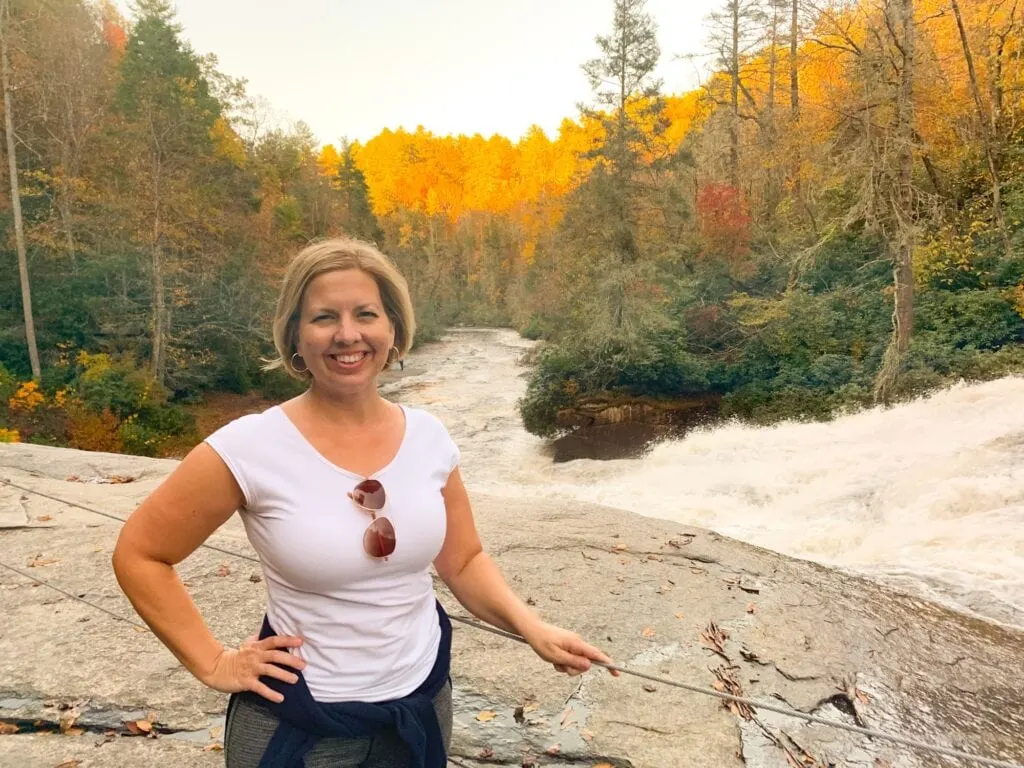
point(304, 721)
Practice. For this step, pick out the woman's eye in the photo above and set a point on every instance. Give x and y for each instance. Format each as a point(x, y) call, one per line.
point(367, 314)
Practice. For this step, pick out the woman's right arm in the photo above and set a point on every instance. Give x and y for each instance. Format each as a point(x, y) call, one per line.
point(196, 499)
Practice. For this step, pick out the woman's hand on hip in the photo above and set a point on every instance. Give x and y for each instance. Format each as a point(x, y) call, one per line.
point(240, 669)
point(566, 650)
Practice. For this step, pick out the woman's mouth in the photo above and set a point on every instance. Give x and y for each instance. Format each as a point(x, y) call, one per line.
point(349, 360)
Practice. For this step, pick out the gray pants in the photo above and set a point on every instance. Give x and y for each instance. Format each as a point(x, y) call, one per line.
point(250, 726)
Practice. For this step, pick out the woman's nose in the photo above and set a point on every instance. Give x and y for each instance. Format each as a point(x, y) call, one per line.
point(346, 332)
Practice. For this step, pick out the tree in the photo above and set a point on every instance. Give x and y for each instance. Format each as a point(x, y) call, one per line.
point(351, 183)
point(168, 116)
point(898, 195)
point(605, 227)
point(984, 126)
point(12, 169)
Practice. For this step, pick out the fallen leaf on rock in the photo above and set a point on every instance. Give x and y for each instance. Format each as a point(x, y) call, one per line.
point(73, 479)
point(588, 557)
point(39, 560)
point(648, 632)
point(486, 716)
point(120, 479)
point(529, 762)
point(6, 729)
point(531, 705)
point(216, 732)
point(568, 717)
point(215, 747)
point(751, 608)
point(604, 765)
point(587, 735)
point(656, 558)
point(621, 547)
point(74, 731)
point(861, 696)
point(69, 763)
point(554, 749)
point(138, 727)
point(223, 570)
point(485, 753)
point(44, 518)
point(679, 614)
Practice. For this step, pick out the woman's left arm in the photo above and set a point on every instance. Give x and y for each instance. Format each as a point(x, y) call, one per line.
point(476, 582)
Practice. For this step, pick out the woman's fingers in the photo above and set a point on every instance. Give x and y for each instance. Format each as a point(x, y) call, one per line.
point(267, 693)
point(274, 671)
point(284, 658)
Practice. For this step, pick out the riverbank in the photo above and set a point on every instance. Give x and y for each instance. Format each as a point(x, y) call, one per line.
point(665, 599)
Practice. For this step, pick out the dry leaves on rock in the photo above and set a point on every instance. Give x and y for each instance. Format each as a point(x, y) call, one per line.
point(485, 753)
point(714, 638)
point(486, 715)
point(224, 570)
point(6, 729)
point(568, 717)
point(39, 560)
point(726, 682)
point(71, 763)
point(215, 747)
point(648, 632)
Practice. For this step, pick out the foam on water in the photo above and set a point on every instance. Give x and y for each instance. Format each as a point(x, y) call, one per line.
point(928, 495)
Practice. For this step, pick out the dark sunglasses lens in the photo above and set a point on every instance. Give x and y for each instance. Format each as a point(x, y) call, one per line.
point(379, 539)
point(369, 494)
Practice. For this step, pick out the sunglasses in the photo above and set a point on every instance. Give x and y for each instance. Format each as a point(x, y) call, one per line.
point(379, 537)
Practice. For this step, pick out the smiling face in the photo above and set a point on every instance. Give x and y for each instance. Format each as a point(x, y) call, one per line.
point(344, 334)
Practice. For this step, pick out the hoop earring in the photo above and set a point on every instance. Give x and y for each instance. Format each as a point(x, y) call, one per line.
point(295, 367)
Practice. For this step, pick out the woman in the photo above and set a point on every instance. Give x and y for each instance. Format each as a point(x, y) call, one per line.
point(348, 499)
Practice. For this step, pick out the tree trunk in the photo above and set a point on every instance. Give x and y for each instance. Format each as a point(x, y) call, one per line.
point(900, 215)
point(986, 134)
point(158, 266)
point(734, 114)
point(19, 228)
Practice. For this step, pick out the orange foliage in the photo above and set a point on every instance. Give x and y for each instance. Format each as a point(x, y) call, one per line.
point(89, 431)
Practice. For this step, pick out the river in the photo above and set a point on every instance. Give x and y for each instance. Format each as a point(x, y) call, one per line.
point(927, 496)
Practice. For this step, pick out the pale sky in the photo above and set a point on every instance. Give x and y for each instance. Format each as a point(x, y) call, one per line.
point(354, 67)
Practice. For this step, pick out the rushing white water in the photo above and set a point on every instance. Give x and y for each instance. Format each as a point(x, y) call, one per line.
point(928, 495)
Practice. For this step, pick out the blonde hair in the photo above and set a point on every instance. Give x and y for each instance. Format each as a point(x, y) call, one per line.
point(328, 256)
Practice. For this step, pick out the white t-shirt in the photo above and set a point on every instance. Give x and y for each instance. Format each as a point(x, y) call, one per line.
point(369, 626)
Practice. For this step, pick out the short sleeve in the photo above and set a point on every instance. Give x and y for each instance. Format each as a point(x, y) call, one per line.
point(442, 447)
point(234, 444)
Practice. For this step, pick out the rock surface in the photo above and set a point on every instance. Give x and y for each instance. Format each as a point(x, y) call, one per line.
point(662, 599)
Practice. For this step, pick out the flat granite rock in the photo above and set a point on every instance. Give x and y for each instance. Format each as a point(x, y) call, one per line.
point(663, 599)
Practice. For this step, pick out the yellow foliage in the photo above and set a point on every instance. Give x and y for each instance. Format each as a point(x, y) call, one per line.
point(9, 436)
point(1018, 298)
point(226, 143)
point(938, 261)
point(27, 398)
